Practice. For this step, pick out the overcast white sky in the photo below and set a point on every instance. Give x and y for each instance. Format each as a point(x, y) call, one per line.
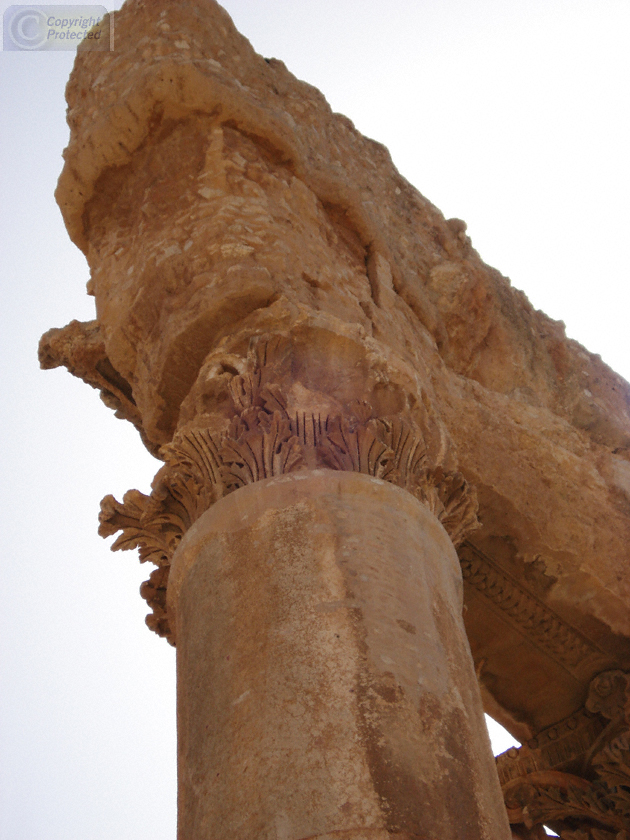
point(510, 115)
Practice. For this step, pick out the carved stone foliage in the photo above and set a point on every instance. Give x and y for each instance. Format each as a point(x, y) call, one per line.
point(263, 440)
point(183, 489)
point(585, 795)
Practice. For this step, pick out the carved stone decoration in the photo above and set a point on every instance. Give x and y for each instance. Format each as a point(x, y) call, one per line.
point(556, 748)
point(261, 441)
point(408, 450)
point(153, 591)
point(562, 799)
point(355, 447)
point(521, 608)
point(391, 449)
point(612, 764)
point(80, 348)
point(609, 694)
point(182, 490)
point(258, 446)
point(594, 805)
point(451, 499)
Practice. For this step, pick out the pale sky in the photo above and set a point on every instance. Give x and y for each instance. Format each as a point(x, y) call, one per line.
point(512, 115)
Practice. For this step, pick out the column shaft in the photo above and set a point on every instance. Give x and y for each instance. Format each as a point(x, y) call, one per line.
point(325, 685)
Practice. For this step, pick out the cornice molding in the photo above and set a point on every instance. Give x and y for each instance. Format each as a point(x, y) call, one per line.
point(526, 613)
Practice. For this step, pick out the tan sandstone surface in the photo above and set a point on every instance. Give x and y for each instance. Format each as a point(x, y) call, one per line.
point(273, 298)
point(334, 597)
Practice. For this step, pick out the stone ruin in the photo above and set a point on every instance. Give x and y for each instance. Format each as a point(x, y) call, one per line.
point(359, 421)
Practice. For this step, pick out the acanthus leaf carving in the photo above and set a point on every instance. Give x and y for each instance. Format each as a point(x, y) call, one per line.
point(140, 521)
point(355, 447)
point(551, 797)
point(409, 452)
point(258, 446)
point(153, 591)
point(391, 449)
point(612, 764)
point(449, 496)
point(183, 489)
point(262, 441)
point(595, 805)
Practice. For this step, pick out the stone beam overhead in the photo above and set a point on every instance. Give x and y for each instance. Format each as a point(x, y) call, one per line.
point(275, 300)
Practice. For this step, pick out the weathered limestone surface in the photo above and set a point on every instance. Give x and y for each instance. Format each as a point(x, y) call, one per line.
point(335, 629)
point(273, 297)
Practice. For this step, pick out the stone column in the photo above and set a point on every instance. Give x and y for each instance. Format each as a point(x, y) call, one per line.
point(308, 575)
point(325, 686)
point(255, 324)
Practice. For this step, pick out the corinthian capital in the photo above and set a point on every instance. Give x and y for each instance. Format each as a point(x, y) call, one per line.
point(264, 437)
